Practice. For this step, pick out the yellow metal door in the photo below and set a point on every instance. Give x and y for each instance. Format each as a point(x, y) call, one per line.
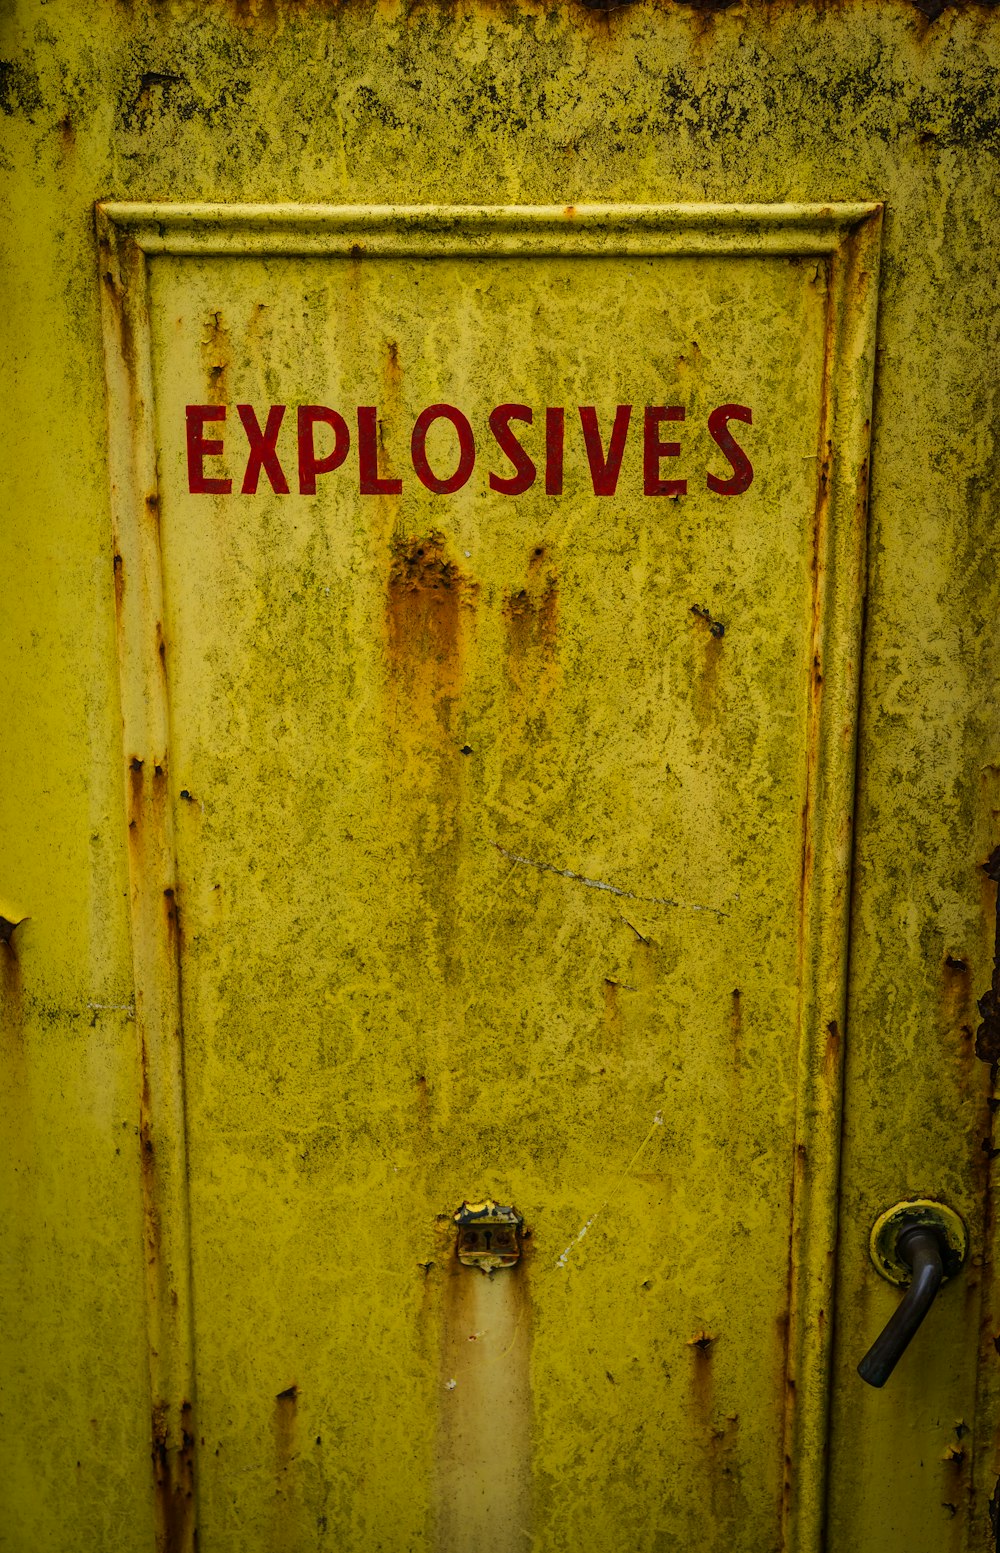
point(525, 924)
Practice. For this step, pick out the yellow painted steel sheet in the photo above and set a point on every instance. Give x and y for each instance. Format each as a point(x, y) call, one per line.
point(463, 876)
point(495, 843)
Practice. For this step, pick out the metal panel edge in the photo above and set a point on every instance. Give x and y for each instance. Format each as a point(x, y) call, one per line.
point(154, 921)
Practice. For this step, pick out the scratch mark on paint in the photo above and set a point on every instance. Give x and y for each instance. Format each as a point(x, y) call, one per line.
point(656, 1122)
point(601, 884)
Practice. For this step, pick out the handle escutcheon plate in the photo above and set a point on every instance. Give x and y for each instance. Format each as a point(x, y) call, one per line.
point(917, 1213)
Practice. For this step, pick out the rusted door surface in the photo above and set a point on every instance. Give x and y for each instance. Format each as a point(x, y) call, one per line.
point(549, 608)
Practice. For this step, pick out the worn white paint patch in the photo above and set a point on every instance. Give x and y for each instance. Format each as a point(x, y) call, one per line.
point(484, 1463)
point(656, 1122)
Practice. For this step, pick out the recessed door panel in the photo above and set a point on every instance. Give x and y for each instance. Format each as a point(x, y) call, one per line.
point(505, 597)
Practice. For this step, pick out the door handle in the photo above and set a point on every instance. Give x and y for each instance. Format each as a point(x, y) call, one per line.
point(919, 1243)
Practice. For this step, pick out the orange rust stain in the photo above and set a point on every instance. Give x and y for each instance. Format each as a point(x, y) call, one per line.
point(393, 370)
point(172, 915)
point(12, 1026)
point(135, 766)
point(173, 1467)
point(430, 606)
point(147, 1159)
point(706, 678)
point(702, 1379)
point(216, 358)
point(957, 1002)
point(531, 615)
point(119, 584)
point(147, 797)
point(283, 1423)
point(152, 509)
point(126, 333)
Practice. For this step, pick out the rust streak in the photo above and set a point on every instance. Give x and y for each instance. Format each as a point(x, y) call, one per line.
point(531, 615)
point(173, 1468)
point(988, 1033)
point(216, 358)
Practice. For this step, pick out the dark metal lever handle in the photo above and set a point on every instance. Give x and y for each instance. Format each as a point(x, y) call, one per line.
point(923, 1250)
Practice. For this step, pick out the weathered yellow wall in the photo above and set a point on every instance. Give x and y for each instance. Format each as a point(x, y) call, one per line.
point(507, 104)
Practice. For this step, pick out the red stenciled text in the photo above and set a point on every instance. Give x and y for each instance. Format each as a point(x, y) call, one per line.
point(521, 447)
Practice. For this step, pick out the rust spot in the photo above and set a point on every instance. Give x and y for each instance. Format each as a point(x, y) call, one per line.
point(716, 627)
point(831, 1053)
point(421, 567)
point(7, 931)
point(613, 1019)
point(702, 1341)
point(173, 1468)
point(67, 133)
point(119, 583)
point(570, 210)
point(290, 1394)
